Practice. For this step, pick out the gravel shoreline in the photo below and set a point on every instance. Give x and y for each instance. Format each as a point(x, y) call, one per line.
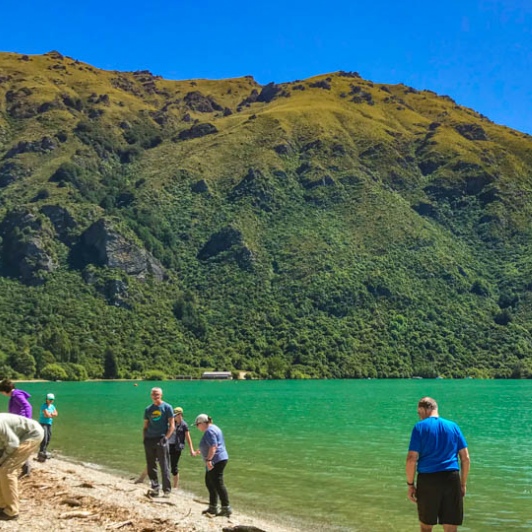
point(69, 496)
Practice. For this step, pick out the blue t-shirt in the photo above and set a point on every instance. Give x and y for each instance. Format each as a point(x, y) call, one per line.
point(213, 436)
point(178, 437)
point(437, 441)
point(158, 417)
point(46, 420)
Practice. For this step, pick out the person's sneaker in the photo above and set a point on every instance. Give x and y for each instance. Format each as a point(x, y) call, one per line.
point(6, 517)
point(211, 510)
point(139, 480)
point(166, 495)
point(226, 511)
point(153, 493)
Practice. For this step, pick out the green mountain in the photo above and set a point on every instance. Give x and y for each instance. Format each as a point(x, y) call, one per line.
point(331, 228)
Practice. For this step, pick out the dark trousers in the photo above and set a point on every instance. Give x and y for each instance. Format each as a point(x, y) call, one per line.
point(214, 480)
point(46, 439)
point(157, 452)
point(175, 455)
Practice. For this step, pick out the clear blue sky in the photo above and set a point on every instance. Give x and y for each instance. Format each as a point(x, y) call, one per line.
point(479, 52)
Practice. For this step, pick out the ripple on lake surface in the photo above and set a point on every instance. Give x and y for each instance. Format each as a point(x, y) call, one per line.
point(328, 453)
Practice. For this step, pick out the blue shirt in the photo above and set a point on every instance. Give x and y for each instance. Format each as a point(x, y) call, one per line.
point(158, 417)
point(437, 441)
point(213, 436)
point(46, 420)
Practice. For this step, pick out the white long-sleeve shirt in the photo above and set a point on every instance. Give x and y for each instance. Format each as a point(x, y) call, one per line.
point(15, 430)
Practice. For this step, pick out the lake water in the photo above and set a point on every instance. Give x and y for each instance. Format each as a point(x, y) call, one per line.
point(328, 454)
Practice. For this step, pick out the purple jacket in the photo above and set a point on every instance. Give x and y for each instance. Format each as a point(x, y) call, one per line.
point(18, 403)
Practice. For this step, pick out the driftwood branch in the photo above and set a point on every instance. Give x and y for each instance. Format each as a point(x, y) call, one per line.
point(72, 515)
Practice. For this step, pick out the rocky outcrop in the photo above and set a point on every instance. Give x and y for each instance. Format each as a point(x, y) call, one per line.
point(283, 149)
point(102, 245)
point(200, 187)
point(269, 92)
point(471, 131)
point(312, 176)
point(197, 131)
point(44, 145)
point(116, 293)
point(228, 239)
point(62, 221)
point(24, 254)
point(425, 209)
point(200, 103)
point(12, 171)
point(257, 187)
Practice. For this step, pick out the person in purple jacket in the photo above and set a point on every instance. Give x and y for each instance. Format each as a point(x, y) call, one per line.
point(18, 404)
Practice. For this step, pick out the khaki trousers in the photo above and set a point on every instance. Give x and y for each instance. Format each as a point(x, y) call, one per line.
point(9, 472)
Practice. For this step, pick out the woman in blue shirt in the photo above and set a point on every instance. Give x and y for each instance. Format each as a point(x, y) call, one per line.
point(212, 449)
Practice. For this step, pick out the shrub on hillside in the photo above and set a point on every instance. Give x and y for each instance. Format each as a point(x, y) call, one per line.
point(54, 372)
point(75, 372)
point(155, 375)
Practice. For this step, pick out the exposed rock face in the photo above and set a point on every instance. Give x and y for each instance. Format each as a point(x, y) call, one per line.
point(425, 209)
point(311, 176)
point(12, 171)
point(202, 104)
point(257, 187)
point(282, 149)
point(116, 293)
point(227, 239)
point(23, 250)
point(471, 131)
point(220, 241)
point(101, 245)
point(44, 145)
point(62, 222)
point(200, 187)
point(196, 131)
point(252, 98)
point(269, 92)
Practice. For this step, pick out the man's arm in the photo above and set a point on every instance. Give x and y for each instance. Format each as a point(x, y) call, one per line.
point(465, 464)
point(144, 429)
point(171, 427)
point(411, 462)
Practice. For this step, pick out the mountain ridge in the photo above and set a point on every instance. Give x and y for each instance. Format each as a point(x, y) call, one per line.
point(315, 228)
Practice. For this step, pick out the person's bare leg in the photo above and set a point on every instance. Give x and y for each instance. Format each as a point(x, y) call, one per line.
point(450, 528)
point(176, 481)
point(425, 528)
point(141, 478)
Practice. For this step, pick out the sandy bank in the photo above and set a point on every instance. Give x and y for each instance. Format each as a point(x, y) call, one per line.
point(64, 495)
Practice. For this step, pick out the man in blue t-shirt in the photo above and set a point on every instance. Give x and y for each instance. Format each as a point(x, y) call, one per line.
point(436, 444)
point(158, 427)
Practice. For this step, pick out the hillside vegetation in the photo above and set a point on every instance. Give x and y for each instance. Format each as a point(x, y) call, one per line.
point(324, 228)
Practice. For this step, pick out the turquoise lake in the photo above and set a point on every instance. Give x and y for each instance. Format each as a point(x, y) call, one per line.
point(328, 455)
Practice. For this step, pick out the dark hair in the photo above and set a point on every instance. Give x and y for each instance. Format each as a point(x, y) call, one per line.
point(428, 402)
point(6, 386)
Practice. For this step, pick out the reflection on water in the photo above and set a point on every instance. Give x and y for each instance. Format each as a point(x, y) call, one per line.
point(330, 453)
